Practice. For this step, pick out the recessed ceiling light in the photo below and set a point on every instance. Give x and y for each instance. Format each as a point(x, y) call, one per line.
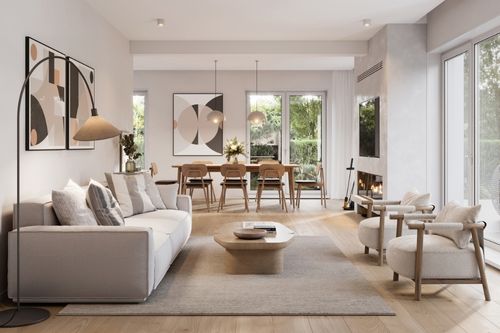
point(367, 23)
point(160, 22)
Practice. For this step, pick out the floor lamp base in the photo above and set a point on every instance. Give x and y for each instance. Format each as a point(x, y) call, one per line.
point(22, 317)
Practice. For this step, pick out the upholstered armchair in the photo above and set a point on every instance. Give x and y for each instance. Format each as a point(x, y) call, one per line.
point(376, 232)
point(441, 252)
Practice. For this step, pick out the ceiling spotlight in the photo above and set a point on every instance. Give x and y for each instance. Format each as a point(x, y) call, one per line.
point(160, 23)
point(367, 23)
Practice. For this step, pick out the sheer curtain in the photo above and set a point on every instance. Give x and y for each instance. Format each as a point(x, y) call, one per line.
point(340, 135)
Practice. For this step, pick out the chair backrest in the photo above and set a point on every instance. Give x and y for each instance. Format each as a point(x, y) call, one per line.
point(233, 170)
point(271, 170)
point(194, 170)
point(202, 162)
point(153, 169)
point(269, 162)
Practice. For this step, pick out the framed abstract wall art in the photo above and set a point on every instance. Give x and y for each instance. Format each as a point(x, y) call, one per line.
point(193, 134)
point(78, 101)
point(45, 98)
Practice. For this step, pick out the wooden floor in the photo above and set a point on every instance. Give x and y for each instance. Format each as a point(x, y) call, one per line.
point(458, 308)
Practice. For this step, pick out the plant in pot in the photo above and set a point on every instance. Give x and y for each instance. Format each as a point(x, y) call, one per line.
point(232, 149)
point(130, 149)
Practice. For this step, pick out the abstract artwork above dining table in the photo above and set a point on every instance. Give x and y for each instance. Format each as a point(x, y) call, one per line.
point(193, 133)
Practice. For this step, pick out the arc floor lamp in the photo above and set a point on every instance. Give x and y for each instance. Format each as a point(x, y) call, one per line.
point(95, 128)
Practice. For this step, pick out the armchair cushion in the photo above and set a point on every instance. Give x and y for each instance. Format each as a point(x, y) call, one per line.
point(415, 199)
point(454, 212)
point(368, 232)
point(441, 258)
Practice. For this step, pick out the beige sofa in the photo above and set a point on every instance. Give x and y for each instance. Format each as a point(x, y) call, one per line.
point(61, 264)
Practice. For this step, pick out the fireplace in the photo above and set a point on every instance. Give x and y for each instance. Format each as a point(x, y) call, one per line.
point(370, 185)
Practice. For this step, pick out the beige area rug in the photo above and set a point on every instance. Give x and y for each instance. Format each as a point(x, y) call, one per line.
point(318, 280)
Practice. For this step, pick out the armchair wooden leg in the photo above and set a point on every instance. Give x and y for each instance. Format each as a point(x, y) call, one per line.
point(381, 228)
point(418, 264)
point(367, 250)
point(395, 276)
point(480, 264)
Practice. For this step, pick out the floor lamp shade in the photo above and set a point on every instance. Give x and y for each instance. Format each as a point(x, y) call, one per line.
point(95, 128)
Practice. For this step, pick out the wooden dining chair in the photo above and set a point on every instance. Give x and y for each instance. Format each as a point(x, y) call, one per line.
point(270, 177)
point(153, 169)
point(193, 178)
point(233, 178)
point(208, 179)
point(318, 182)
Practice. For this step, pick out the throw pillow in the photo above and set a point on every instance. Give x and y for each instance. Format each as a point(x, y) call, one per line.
point(104, 205)
point(71, 207)
point(454, 212)
point(168, 195)
point(152, 191)
point(130, 191)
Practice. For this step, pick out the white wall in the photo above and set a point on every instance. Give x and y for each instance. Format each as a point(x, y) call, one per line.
point(74, 28)
point(160, 85)
point(404, 128)
point(457, 21)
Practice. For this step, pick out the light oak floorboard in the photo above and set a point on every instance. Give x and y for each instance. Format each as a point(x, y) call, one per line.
point(456, 308)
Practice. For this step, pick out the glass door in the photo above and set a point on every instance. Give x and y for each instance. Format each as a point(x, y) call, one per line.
point(459, 172)
point(266, 139)
point(292, 133)
point(305, 134)
point(487, 85)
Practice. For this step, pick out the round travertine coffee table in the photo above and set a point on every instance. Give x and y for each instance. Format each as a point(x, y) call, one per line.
point(258, 256)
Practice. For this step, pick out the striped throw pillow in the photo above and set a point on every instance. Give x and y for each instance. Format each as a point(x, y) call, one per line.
point(104, 205)
point(130, 191)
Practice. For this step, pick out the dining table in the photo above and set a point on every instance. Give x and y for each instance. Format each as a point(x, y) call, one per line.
point(251, 167)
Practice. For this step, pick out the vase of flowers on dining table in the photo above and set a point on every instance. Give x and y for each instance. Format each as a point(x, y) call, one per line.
point(232, 149)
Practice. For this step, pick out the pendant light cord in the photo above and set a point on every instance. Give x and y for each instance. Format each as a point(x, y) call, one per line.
point(256, 83)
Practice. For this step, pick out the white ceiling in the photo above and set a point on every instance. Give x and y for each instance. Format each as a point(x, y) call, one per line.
point(241, 62)
point(255, 20)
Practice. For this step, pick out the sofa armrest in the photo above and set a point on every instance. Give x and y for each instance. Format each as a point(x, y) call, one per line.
point(82, 263)
point(184, 203)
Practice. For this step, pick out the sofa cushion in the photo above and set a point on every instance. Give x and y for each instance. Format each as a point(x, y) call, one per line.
point(163, 255)
point(130, 191)
point(441, 258)
point(104, 205)
point(454, 212)
point(70, 205)
point(175, 223)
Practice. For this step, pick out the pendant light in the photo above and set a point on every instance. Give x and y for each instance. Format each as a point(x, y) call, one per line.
point(256, 117)
point(215, 116)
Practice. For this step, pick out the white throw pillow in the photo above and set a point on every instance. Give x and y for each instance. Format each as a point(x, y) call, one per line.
point(130, 191)
point(104, 206)
point(152, 191)
point(70, 205)
point(454, 212)
point(168, 195)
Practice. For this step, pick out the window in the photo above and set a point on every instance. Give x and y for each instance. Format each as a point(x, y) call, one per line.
point(487, 87)
point(139, 107)
point(472, 128)
point(293, 131)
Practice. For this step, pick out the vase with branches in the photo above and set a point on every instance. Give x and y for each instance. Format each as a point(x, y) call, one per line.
point(130, 149)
